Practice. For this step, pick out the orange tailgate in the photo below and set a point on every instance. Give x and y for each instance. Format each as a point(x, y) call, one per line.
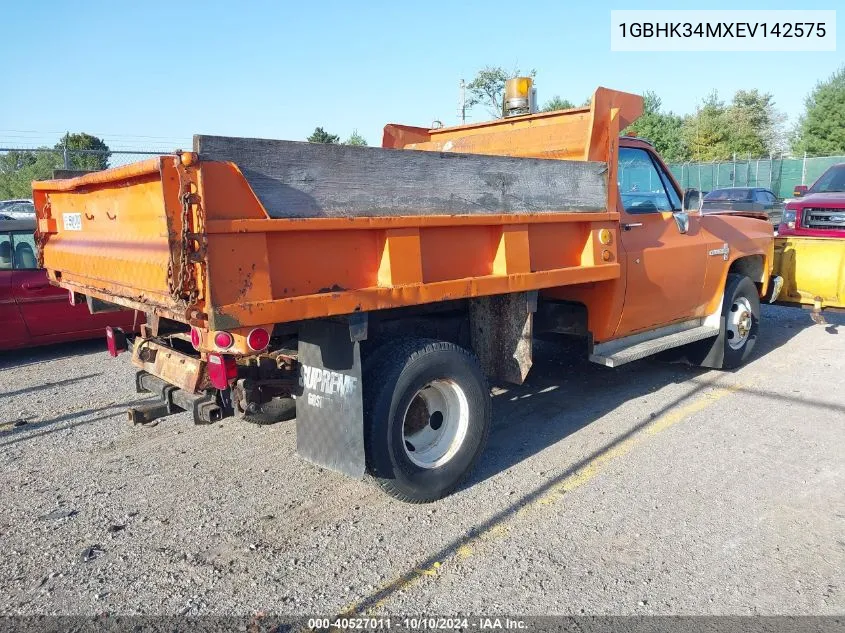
point(110, 234)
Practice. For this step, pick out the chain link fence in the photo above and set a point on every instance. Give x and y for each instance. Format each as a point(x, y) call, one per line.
point(780, 175)
point(76, 159)
point(20, 166)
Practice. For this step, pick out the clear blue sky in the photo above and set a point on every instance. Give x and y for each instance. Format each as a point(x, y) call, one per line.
point(128, 71)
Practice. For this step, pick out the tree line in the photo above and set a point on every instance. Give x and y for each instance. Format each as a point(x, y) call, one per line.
point(321, 136)
point(85, 152)
point(19, 168)
point(749, 125)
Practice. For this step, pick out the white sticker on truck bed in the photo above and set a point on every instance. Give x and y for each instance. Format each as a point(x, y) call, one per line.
point(72, 221)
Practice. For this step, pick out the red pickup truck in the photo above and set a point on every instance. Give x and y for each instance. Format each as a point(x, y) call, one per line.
point(34, 312)
point(820, 212)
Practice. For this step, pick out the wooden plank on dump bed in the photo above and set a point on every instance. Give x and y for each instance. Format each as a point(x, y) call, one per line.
point(305, 180)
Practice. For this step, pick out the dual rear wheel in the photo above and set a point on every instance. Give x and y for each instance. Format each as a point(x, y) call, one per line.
point(427, 406)
point(427, 414)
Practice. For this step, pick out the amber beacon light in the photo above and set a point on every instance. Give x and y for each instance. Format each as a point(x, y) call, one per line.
point(520, 97)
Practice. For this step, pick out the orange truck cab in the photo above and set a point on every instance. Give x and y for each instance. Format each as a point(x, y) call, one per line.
point(380, 288)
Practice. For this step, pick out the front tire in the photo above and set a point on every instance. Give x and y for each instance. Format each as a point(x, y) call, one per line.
point(427, 415)
point(740, 326)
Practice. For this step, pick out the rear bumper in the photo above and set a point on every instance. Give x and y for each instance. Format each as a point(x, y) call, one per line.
point(180, 381)
point(181, 370)
point(204, 407)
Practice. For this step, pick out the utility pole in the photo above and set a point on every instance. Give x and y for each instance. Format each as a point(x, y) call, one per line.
point(462, 102)
point(65, 154)
point(804, 170)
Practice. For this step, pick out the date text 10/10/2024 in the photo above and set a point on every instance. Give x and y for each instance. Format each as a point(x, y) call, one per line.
point(417, 623)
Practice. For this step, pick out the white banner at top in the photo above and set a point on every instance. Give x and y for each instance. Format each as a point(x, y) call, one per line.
point(722, 30)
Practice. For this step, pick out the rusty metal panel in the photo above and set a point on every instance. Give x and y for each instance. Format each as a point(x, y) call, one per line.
point(501, 331)
point(110, 232)
point(181, 370)
point(579, 133)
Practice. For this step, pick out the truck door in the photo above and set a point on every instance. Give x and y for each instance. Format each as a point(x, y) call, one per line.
point(665, 269)
point(12, 329)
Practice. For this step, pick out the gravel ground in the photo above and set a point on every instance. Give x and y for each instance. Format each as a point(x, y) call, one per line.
point(651, 489)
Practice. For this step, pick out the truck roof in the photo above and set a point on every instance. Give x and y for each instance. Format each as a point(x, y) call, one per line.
point(637, 138)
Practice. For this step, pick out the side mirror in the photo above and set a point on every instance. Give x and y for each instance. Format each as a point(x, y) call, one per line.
point(799, 191)
point(682, 220)
point(692, 199)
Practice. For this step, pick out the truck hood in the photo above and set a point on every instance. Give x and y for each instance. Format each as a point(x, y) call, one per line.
point(734, 208)
point(731, 205)
point(834, 199)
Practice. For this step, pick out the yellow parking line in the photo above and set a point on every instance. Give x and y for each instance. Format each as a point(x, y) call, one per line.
point(575, 480)
point(595, 466)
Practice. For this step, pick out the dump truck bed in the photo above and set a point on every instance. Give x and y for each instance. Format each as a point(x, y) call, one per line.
point(248, 232)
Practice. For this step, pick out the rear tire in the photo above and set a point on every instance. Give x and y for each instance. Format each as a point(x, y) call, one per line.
point(740, 326)
point(427, 413)
point(277, 410)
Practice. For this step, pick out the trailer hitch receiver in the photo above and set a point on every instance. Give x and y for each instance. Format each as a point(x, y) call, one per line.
point(206, 408)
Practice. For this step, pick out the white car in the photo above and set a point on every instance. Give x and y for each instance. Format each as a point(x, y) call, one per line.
point(20, 208)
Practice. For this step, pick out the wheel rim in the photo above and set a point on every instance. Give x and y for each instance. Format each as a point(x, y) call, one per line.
point(739, 323)
point(435, 424)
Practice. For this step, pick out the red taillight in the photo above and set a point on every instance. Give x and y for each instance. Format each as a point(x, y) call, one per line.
point(196, 338)
point(223, 340)
point(115, 341)
point(221, 369)
point(258, 339)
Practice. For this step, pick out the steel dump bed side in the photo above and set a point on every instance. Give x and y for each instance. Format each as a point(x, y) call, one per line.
point(248, 232)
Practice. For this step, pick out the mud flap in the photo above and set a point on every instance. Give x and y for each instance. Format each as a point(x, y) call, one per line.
point(329, 411)
point(714, 357)
point(502, 328)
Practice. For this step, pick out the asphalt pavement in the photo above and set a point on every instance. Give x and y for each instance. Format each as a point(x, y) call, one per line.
point(650, 489)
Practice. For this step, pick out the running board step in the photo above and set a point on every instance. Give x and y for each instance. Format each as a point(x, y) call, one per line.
point(613, 354)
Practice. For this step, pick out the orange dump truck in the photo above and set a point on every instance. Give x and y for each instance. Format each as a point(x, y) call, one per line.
point(382, 287)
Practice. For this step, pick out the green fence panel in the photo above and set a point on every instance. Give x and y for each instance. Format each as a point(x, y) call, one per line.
point(790, 175)
point(778, 174)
